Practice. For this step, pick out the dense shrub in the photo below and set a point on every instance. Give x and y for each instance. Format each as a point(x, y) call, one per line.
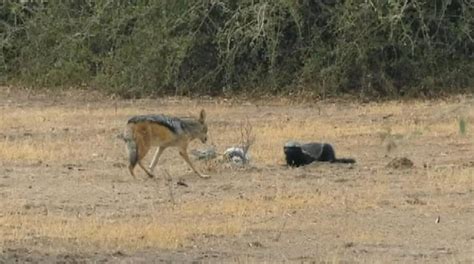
point(134, 48)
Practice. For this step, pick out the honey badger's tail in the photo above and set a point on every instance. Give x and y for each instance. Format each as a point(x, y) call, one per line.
point(344, 160)
point(131, 147)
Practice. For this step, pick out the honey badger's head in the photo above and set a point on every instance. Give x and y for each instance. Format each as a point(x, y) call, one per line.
point(293, 154)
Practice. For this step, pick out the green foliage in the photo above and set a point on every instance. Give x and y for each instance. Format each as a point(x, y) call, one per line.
point(138, 48)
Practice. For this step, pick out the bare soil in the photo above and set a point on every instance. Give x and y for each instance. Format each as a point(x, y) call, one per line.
point(66, 195)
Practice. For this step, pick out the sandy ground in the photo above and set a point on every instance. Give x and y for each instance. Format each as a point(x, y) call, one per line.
point(66, 195)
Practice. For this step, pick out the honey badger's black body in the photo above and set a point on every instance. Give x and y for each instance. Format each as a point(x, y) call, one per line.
point(297, 154)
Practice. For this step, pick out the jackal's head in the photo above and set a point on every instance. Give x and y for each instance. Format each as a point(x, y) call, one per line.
point(203, 131)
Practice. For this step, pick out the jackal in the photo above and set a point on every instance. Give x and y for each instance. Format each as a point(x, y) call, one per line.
point(144, 131)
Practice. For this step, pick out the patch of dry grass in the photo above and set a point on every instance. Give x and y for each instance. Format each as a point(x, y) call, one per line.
point(162, 230)
point(449, 179)
point(30, 150)
point(92, 233)
point(227, 217)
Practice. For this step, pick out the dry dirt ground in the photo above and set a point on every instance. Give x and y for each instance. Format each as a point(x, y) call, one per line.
point(66, 195)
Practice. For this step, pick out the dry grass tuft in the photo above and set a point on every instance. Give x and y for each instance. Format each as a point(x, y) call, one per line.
point(92, 233)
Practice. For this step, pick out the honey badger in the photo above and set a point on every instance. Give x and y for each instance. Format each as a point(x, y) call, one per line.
point(297, 154)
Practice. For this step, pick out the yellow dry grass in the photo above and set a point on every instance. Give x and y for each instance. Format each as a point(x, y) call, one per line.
point(175, 226)
point(90, 233)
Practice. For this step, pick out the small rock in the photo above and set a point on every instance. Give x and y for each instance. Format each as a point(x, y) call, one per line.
point(255, 244)
point(182, 183)
point(119, 254)
point(119, 165)
point(400, 163)
point(349, 244)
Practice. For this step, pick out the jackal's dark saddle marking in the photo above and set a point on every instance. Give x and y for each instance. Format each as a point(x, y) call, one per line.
point(172, 123)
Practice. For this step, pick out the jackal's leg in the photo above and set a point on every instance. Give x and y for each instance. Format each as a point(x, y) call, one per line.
point(147, 172)
point(130, 168)
point(185, 156)
point(143, 147)
point(156, 157)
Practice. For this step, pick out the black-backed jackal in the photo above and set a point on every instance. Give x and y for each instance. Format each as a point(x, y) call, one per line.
point(146, 131)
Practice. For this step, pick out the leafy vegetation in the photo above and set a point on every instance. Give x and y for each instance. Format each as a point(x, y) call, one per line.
point(135, 48)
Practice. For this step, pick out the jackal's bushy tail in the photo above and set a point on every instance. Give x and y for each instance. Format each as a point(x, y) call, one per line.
point(131, 146)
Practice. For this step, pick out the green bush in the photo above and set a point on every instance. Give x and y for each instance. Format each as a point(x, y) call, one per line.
point(139, 48)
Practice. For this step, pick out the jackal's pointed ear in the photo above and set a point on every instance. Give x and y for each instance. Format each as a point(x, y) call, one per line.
point(202, 116)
